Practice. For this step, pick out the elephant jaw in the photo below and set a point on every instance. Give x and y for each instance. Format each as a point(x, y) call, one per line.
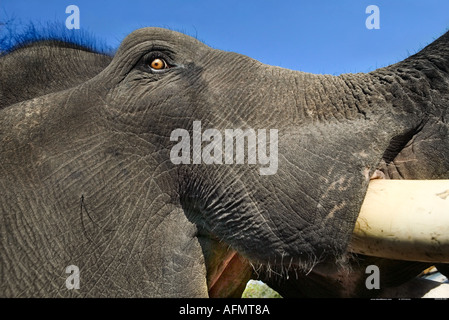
point(404, 220)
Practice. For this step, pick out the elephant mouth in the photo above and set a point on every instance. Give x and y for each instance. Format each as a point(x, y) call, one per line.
point(227, 270)
point(230, 278)
point(399, 219)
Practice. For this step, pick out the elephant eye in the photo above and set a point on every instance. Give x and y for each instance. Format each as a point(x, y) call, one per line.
point(158, 64)
point(157, 61)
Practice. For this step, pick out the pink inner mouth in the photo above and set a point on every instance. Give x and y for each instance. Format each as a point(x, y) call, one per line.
point(230, 279)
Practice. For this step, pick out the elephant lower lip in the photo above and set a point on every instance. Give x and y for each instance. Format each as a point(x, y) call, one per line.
point(227, 282)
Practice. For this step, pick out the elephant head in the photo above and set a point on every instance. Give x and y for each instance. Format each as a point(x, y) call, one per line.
point(178, 168)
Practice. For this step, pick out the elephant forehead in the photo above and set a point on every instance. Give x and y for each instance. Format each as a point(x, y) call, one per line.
point(146, 37)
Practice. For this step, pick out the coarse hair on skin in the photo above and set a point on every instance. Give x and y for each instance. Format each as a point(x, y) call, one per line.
point(15, 35)
point(302, 266)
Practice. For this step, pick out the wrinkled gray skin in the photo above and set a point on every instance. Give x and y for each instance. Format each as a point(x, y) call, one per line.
point(87, 180)
point(43, 67)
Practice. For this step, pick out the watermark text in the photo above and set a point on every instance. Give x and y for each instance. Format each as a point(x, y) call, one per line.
point(234, 141)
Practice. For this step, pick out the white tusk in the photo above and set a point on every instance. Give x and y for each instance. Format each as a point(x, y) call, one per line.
point(404, 220)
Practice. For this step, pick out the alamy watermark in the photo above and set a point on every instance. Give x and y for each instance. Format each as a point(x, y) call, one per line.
point(234, 147)
point(373, 20)
point(72, 281)
point(373, 280)
point(73, 20)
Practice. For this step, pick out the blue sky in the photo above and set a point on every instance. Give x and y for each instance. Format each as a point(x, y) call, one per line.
point(327, 36)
